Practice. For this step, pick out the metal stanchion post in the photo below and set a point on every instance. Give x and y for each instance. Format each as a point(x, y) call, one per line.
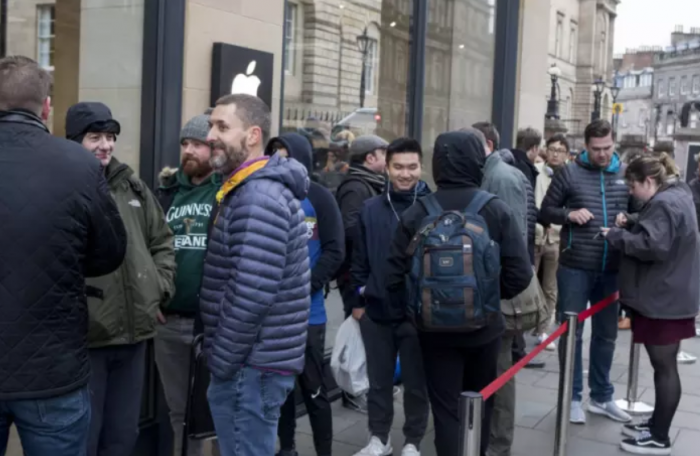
point(566, 385)
point(471, 407)
point(631, 404)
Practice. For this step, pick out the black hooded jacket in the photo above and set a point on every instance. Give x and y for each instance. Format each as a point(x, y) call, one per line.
point(458, 162)
point(328, 218)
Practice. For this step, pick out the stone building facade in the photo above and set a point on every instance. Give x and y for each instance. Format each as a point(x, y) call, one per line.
point(581, 44)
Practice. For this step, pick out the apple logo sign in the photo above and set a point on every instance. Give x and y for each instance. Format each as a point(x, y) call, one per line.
point(240, 70)
point(246, 83)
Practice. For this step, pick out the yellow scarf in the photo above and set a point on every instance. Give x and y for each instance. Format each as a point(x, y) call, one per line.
point(233, 181)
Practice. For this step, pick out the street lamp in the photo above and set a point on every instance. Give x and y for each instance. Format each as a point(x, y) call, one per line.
point(553, 104)
point(363, 45)
point(597, 88)
point(615, 91)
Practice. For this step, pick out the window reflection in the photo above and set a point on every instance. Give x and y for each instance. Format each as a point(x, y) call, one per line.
point(324, 54)
point(459, 68)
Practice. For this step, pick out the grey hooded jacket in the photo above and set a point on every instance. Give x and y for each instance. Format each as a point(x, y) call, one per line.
point(510, 185)
point(255, 293)
point(660, 256)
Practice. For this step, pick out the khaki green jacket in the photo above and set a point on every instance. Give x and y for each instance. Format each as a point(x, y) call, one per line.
point(123, 304)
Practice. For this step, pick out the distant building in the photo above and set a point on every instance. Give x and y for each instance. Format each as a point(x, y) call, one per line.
point(636, 98)
point(581, 45)
point(676, 81)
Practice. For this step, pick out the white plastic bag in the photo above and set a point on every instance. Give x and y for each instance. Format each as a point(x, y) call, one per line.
point(349, 361)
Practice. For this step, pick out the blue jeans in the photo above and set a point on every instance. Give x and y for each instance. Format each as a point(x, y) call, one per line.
point(246, 409)
point(576, 288)
point(56, 426)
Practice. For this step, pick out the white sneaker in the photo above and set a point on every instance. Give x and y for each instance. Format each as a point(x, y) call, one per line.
point(550, 347)
point(410, 450)
point(686, 358)
point(577, 416)
point(376, 448)
point(611, 410)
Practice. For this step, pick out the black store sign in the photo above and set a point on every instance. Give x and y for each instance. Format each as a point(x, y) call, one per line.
point(237, 69)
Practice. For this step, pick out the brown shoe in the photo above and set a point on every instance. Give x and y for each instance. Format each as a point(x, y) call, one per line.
point(624, 323)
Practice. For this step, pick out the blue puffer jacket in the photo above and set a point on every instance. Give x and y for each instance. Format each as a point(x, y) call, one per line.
point(255, 293)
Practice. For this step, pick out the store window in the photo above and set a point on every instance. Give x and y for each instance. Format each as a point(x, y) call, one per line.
point(355, 80)
point(573, 42)
point(94, 50)
point(459, 70)
point(559, 36)
point(46, 16)
point(290, 37)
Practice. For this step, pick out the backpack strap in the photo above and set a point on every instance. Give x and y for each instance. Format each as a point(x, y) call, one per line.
point(431, 205)
point(481, 199)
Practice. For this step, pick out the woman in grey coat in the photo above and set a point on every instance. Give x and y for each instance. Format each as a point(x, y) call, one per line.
point(658, 280)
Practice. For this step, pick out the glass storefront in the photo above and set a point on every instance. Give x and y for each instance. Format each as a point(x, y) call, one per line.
point(348, 72)
point(94, 49)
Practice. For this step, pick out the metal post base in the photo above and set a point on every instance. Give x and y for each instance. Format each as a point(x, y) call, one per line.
point(635, 408)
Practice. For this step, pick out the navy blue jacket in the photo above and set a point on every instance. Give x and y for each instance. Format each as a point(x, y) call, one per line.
point(376, 226)
point(324, 223)
point(256, 287)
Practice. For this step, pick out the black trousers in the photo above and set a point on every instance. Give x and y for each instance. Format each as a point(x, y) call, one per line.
point(449, 372)
point(310, 383)
point(116, 385)
point(382, 343)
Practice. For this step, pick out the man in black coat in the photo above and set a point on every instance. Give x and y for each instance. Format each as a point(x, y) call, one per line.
point(584, 197)
point(364, 179)
point(450, 358)
point(59, 226)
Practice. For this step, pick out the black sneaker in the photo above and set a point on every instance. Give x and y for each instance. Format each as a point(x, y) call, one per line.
point(633, 430)
point(287, 453)
point(646, 444)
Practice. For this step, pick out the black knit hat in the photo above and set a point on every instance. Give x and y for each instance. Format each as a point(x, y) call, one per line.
point(89, 117)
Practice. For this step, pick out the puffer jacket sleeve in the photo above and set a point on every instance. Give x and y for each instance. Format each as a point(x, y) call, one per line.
point(160, 245)
point(553, 211)
point(257, 237)
point(106, 237)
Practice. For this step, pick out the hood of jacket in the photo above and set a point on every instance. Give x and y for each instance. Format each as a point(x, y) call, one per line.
point(289, 173)
point(584, 161)
point(298, 147)
point(169, 178)
point(507, 156)
point(458, 160)
point(521, 156)
point(117, 172)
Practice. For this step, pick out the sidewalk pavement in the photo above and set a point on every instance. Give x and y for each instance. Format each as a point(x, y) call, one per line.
point(535, 414)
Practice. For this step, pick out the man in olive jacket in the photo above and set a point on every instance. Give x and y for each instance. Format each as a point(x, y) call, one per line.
point(124, 305)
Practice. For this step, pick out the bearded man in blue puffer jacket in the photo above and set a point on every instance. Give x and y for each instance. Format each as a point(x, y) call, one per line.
point(255, 293)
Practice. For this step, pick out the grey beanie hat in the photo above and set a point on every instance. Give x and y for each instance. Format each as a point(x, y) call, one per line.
point(367, 143)
point(196, 128)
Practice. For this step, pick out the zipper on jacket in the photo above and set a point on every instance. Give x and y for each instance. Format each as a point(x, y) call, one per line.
point(605, 219)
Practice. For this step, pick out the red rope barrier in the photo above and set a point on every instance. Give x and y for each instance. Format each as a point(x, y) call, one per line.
point(510, 373)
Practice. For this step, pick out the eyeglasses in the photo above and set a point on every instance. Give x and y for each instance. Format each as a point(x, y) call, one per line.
point(556, 150)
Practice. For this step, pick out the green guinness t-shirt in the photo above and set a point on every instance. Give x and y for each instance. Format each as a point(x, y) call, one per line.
point(188, 218)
